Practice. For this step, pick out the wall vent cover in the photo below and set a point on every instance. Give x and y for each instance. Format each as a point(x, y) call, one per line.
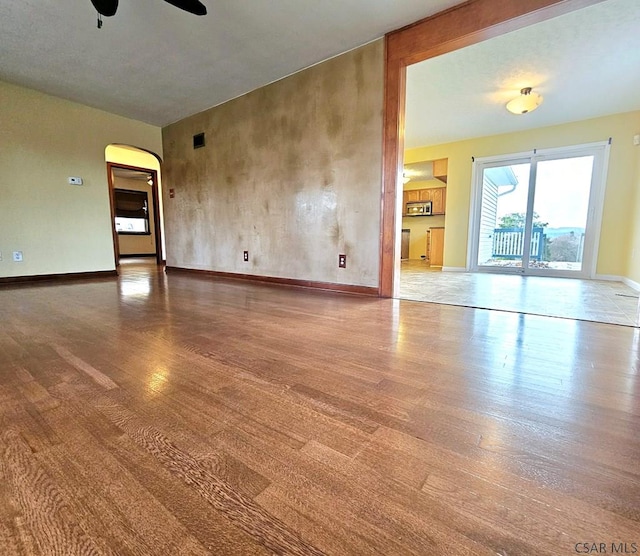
point(198, 140)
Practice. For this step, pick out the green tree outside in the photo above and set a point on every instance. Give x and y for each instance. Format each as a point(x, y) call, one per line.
point(516, 220)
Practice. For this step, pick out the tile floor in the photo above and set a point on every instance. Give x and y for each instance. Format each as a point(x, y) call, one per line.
point(592, 300)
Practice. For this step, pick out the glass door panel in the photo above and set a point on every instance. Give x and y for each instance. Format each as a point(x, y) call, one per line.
point(539, 213)
point(503, 210)
point(560, 210)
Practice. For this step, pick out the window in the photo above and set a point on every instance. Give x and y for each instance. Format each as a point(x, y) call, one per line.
point(132, 212)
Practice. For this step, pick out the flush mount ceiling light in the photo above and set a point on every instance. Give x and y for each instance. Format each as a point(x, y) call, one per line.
point(526, 102)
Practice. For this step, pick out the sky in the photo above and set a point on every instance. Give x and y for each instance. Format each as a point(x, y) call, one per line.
point(562, 191)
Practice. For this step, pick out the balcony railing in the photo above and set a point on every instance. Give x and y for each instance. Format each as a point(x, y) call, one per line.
point(508, 243)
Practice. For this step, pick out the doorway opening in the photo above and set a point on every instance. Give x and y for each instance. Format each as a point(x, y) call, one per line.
point(135, 212)
point(136, 206)
point(457, 127)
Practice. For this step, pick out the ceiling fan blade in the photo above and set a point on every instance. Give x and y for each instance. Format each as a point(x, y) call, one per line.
point(192, 6)
point(106, 8)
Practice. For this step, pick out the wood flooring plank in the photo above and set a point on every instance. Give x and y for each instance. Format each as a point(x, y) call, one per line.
point(45, 521)
point(211, 416)
point(194, 513)
point(298, 473)
point(481, 497)
point(117, 507)
point(206, 523)
point(8, 540)
point(83, 366)
point(431, 511)
point(242, 511)
point(466, 469)
point(333, 534)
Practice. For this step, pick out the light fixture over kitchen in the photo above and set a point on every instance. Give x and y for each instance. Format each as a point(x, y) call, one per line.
point(528, 101)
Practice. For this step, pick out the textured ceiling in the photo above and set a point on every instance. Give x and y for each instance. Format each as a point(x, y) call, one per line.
point(585, 64)
point(155, 63)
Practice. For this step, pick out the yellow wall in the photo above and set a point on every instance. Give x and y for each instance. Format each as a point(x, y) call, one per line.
point(420, 224)
point(619, 213)
point(290, 172)
point(60, 228)
point(633, 269)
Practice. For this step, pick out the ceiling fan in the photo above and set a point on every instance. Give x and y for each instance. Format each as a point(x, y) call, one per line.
point(108, 8)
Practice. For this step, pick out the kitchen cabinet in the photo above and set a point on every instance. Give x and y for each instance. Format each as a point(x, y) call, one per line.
point(438, 200)
point(425, 194)
point(413, 196)
point(437, 196)
point(440, 169)
point(435, 246)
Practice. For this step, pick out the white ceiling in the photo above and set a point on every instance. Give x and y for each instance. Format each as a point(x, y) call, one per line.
point(155, 63)
point(585, 64)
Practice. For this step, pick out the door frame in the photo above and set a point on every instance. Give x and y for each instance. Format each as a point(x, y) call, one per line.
point(463, 25)
point(599, 150)
point(155, 199)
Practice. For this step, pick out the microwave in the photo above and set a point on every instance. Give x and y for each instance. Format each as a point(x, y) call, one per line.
point(422, 208)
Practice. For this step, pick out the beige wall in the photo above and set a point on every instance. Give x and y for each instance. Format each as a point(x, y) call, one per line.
point(619, 212)
point(137, 244)
point(291, 172)
point(60, 228)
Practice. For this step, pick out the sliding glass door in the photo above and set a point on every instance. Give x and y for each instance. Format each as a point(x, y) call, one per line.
point(505, 194)
point(539, 213)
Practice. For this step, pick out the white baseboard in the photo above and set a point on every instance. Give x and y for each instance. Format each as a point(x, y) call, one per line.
point(614, 278)
point(454, 269)
point(609, 277)
point(631, 283)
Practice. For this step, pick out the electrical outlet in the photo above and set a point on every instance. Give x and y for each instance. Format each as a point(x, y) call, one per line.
point(17, 256)
point(246, 256)
point(0, 255)
point(342, 261)
point(74, 180)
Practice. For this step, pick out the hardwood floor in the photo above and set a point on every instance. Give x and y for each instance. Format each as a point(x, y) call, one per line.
point(179, 415)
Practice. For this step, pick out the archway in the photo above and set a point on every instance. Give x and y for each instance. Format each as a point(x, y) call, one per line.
point(134, 176)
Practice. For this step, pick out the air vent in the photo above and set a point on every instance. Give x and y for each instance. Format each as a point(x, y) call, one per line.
point(198, 140)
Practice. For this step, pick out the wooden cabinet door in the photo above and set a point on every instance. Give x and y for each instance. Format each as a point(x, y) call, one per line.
point(405, 195)
point(425, 194)
point(440, 169)
point(413, 196)
point(437, 200)
point(436, 246)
